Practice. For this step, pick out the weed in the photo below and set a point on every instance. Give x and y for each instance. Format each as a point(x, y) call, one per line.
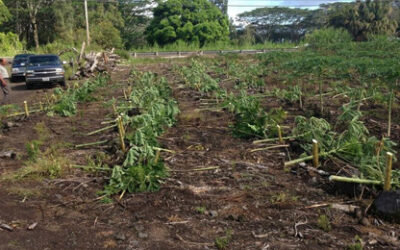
point(33, 150)
point(324, 223)
point(45, 166)
point(283, 197)
point(278, 198)
point(223, 242)
point(201, 210)
point(357, 244)
point(6, 110)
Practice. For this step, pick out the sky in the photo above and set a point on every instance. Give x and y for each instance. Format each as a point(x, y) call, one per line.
point(238, 6)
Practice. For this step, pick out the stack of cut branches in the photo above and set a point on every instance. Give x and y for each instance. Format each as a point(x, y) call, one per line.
point(87, 64)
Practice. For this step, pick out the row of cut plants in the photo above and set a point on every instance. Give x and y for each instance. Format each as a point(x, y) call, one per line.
point(147, 111)
point(348, 141)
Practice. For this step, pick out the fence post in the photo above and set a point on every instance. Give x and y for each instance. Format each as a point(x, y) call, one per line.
point(388, 176)
point(26, 108)
point(315, 153)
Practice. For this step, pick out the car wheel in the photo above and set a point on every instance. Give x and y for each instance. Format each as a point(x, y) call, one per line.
point(62, 84)
point(29, 85)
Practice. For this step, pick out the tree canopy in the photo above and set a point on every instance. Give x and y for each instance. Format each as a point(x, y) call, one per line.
point(281, 23)
point(372, 17)
point(191, 21)
point(4, 13)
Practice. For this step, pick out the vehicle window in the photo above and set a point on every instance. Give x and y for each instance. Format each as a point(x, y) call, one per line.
point(43, 60)
point(20, 59)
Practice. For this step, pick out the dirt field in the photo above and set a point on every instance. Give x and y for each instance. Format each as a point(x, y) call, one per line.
point(218, 194)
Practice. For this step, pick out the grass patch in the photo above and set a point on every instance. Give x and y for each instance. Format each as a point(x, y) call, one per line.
point(24, 192)
point(324, 223)
point(45, 166)
point(223, 242)
point(357, 244)
point(41, 164)
point(283, 197)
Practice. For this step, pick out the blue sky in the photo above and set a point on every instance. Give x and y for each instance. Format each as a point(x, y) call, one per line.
point(238, 6)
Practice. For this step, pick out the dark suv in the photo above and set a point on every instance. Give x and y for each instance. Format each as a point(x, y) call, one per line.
point(18, 67)
point(44, 69)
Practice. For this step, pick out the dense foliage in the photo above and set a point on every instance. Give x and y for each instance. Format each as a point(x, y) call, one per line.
point(191, 21)
point(363, 19)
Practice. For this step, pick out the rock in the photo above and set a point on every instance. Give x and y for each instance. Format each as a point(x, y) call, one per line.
point(139, 228)
point(11, 125)
point(213, 213)
point(120, 236)
point(8, 154)
point(6, 227)
point(387, 205)
point(365, 222)
point(133, 244)
point(314, 180)
point(143, 235)
point(32, 226)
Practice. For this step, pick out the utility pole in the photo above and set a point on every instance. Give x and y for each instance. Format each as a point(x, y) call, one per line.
point(87, 24)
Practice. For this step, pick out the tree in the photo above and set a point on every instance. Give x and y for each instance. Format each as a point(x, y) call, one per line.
point(136, 19)
point(33, 6)
point(362, 19)
point(108, 23)
point(4, 13)
point(222, 5)
point(281, 23)
point(191, 21)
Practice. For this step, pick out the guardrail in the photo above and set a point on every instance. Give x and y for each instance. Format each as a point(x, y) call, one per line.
point(196, 53)
point(205, 52)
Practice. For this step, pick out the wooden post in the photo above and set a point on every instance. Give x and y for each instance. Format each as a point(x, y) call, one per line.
point(126, 97)
point(114, 109)
point(157, 157)
point(388, 176)
point(280, 134)
point(87, 24)
point(389, 129)
point(26, 108)
point(315, 153)
point(121, 136)
point(121, 123)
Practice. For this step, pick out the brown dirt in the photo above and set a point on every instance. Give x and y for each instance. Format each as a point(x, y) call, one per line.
point(247, 194)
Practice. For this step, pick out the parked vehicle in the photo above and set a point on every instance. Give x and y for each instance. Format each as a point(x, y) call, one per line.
point(18, 67)
point(44, 69)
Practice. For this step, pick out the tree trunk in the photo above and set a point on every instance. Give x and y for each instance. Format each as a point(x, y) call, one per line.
point(33, 7)
point(35, 33)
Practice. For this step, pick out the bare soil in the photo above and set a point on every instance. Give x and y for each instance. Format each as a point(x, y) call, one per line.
point(216, 189)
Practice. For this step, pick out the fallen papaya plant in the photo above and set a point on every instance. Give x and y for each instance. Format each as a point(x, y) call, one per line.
point(155, 110)
point(352, 144)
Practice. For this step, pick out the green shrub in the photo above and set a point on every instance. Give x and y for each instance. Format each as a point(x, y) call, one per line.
point(326, 38)
point(9, 44)
point(123, 54)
